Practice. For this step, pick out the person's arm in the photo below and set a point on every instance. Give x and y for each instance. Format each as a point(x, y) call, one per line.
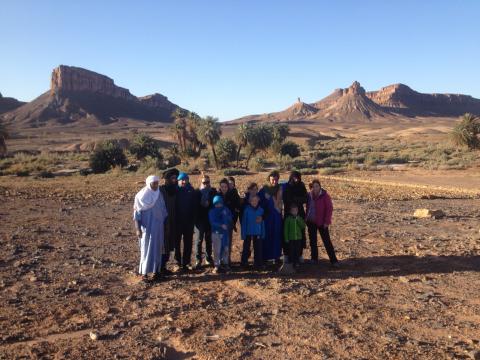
point(328, 210)
point(243, 226)
point(137, 218)
point(285, 231)
point(213, 221)
point(301, 223)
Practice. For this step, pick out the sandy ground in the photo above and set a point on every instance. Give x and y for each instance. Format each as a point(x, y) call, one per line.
point(407, 288)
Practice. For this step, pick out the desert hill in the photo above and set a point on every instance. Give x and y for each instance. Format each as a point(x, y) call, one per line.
point(8, 104)
point(355, 105)
point(80, 96)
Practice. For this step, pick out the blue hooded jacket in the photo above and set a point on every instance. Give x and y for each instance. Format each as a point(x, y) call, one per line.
point(249, 222)
point(219, 216)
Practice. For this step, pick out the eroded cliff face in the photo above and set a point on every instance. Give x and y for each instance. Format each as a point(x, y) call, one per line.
point(74, 79)
point(401, 98)
point(79, 95)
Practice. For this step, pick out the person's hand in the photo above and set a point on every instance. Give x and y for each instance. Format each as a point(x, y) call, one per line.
point(139, 233)
point(224, 227)
point(258, 219)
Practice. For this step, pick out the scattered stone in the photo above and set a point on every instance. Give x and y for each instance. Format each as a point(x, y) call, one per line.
point(403, 279)
point(427, 213)
point(33, 278)
point(93, 335)
point(169, 318)
point(212, 337)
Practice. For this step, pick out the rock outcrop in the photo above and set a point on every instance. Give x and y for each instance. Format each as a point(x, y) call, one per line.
point(9, 104)
point(400, 98)
point(66, 79)
point(79, 95)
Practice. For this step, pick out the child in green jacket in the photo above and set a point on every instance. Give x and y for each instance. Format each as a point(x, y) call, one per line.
point(293, 230)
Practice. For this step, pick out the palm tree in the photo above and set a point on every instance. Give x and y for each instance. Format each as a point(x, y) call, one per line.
point(466, 132)
point(209, 133)
point(3, 137)
point(242, 136)
point(193, 123)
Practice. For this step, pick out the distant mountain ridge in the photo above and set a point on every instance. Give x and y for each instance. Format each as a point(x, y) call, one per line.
point(8, 104)
point(354, 104)
point(79, 95)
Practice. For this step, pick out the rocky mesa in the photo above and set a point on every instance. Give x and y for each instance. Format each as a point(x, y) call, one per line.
point(80, 96)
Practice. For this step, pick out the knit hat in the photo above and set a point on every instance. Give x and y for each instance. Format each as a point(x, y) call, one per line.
point(170, 172)
point(217, 199)
point(182, 176)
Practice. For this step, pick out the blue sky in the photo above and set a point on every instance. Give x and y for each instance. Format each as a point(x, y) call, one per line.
point(231, 58)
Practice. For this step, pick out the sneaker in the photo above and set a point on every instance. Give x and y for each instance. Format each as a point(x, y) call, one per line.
point(166, 272)
point(286, 269)
point(301, 260)
point(216, 270)
point(157, 277)
point(187, 267)
point(226, 268)
point(209, 261)
point(198, 265)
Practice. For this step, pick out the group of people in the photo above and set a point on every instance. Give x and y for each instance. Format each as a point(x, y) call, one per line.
point(273, 219)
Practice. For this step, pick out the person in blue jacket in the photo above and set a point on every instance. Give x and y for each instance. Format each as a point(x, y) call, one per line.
point(221, 220)
point(253, 231)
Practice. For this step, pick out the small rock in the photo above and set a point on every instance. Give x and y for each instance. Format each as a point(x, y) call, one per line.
point(33, 278)
point(403, 279)
point(169, 318)
point(212, 337)
point(93, 335)
point(427, 213)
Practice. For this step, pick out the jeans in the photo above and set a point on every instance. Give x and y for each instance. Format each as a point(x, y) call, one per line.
point(220, 253)
point(325, 235)
point(183, 258)
point(201, 233)
point(294, 251)
point(257, 250)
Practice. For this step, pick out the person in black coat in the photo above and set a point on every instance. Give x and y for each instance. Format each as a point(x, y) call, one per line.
point(295, 193)
point(169, 191)
point(186, 214)
point(203, 228)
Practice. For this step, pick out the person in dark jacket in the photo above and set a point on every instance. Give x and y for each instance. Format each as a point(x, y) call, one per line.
point(231, 200)
point(203, 229)
point(187, 208)
point(169, 191)
point(295, 193)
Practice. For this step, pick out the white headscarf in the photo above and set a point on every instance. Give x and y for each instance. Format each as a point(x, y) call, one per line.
point(146, 198)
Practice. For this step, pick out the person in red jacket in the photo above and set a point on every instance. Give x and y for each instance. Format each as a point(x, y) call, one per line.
point(319, 218)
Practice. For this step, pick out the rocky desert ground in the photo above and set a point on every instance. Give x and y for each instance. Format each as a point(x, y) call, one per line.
point(407, 288)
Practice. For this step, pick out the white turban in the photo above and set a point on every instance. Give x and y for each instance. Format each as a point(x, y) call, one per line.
point(146, 198)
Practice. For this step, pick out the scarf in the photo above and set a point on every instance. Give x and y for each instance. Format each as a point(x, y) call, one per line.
point(146, 197)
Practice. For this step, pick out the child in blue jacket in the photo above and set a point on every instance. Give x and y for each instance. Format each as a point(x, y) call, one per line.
point(221, 219)
point(253, 230)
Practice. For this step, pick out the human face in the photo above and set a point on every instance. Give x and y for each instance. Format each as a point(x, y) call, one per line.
point(218, 205)
point(316, 188)
point(254, 201)
point(253, 191)
point(231, 184)
point(294, 211)
point(206, 182)
point(154, 185)
point(183, 182)
point(273, 180)
point(172, 180)
point(223, 188)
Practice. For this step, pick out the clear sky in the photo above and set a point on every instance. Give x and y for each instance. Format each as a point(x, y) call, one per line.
point(230, 58)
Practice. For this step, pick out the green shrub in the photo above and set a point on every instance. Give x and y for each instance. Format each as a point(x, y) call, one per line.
point(308, 171)
point(234, 172)
point(46, 174)
point(106, 155)
point(466, 132)
point(258, 164)
point(143, 145)
point(226, 150)
point(290, 148)
point(22, 173)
